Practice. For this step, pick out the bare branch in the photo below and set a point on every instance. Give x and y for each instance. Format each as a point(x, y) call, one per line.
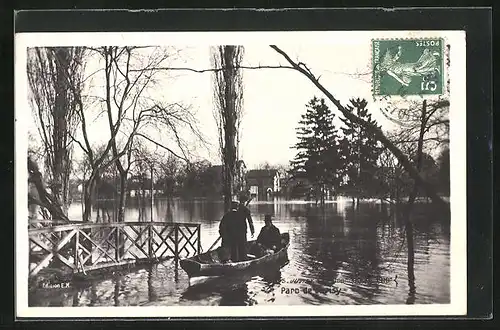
point(78, 142)
point(377, 132)
point(162, 146)
point(217, 69)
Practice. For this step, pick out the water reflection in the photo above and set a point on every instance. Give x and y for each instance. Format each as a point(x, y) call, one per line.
point(337, 255)
point(234, 290)
point(152, 296)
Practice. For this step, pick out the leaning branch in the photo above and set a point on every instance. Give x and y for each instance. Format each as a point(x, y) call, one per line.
point(45, 199)
point(216, 69)
point(162, 146)
point(376, 131)
point(78, 142)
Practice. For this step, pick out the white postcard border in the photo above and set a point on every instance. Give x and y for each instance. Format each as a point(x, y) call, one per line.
point(458, 227)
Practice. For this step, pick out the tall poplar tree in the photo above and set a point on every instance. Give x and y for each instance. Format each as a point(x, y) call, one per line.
point(54, 74)
point(228, 99)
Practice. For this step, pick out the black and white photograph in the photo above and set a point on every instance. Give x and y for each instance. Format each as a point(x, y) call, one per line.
point(240, 173)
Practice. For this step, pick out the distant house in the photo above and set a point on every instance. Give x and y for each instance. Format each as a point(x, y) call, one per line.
point(263, 184)
point(295, 188)
point(239, 180)
point(139, 185)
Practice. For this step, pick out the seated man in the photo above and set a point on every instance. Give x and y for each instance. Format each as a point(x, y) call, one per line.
point(269, 237)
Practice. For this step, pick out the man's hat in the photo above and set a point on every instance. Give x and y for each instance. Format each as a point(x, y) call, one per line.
point(243, 196)
point(234, 205)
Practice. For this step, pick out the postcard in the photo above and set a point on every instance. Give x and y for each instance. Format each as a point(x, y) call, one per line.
point(244, 174)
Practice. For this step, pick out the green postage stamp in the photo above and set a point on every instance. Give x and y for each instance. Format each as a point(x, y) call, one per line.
point(407, 67)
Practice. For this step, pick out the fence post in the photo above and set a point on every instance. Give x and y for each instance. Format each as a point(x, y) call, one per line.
point(117, 243)
point(176, 247)
point(199, 238)
point(77, 250)
point(176, 257)
point(87, 244)
point(150, 242)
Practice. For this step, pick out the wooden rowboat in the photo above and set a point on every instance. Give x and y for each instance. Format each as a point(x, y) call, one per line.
point(210, 264)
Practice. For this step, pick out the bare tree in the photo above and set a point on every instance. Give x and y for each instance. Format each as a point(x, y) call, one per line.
point(54, 109)
point(376, 131)
point(372, 129)
point(132, 112)
point(424, 122)
point(264, 166)
point(422, 126)
point(143, 171)
point(228, 97)
point(169, 168)
point(387, 175)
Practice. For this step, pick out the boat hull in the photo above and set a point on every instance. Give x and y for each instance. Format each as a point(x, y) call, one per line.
point(205, 265)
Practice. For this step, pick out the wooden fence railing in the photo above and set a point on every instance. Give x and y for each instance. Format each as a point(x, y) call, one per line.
point(42, 223)
point(83, 247)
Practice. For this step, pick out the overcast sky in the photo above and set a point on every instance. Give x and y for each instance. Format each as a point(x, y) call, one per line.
point(274, 99)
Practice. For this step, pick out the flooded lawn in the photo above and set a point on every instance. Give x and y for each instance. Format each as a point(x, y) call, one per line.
point(338, 255)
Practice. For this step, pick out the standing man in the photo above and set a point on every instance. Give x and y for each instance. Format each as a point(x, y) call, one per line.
point(228, 226)
point(229, 229)
point(244, 215)
point(233, 229)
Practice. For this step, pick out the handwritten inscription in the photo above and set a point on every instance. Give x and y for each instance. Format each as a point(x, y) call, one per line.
point(310, 290)
point(298, 287)
point(348, 280)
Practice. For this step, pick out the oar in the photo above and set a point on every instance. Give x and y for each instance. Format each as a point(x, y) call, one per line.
point(215, 243)
point(220, 237)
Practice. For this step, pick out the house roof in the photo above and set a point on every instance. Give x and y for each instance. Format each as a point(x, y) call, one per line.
point(216, 168)
point(261, 173)
point(239, 164)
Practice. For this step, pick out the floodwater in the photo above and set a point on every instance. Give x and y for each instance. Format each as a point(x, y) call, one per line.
point(337, 255)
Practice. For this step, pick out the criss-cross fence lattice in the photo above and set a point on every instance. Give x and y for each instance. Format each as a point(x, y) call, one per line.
point(83, 247)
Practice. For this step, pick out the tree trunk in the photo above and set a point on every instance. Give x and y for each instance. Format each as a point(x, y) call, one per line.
point(227, 188)
point(230, 129)
point(411, 200)
point(60, 131)
point(323, 192)
point(87, 201)
point(123, 198)
point(44, 199)
point(228, 96)
point(89, 190)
